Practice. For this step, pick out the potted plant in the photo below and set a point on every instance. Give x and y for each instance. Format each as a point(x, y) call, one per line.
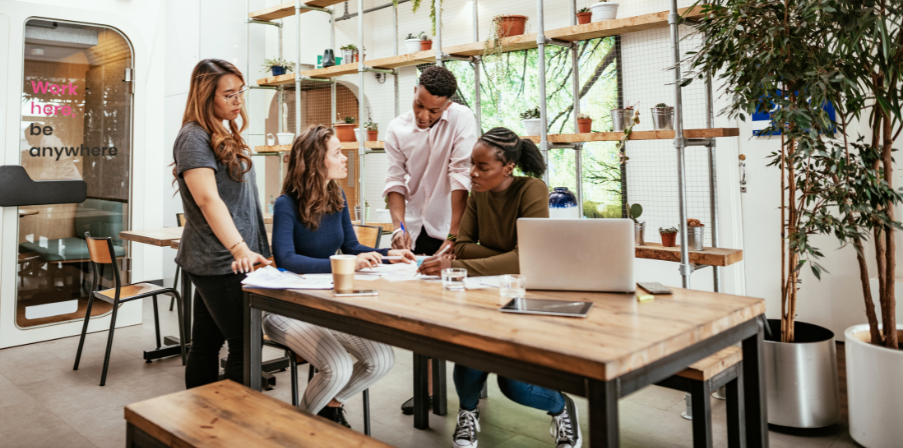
point(634, 211)
point(604, 10)
point(621, 119)
point(412, 42)
point(345, 131)
point(277, 66)
point(695, 234)
point(532, 121)
point(662, 117)
point(357, 212)
point(584, 16)
point(372, 131)
point(425, 42)
point(669, 236)
point(348, 52)
point(584, 123)
point(509, 25)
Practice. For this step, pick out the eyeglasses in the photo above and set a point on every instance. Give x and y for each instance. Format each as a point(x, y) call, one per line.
point(237, 95)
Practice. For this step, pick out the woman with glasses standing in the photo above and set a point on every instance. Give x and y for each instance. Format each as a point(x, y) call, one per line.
point(224, 234)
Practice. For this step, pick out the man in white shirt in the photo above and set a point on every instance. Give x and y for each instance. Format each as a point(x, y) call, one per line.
point(429, 165)
point(428, 180)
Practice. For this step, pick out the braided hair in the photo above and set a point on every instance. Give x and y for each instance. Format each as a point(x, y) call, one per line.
point(511, 148)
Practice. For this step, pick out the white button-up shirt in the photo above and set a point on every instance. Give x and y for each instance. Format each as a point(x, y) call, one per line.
point(426, 165)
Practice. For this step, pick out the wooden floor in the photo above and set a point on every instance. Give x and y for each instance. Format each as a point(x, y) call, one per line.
point(100, 307)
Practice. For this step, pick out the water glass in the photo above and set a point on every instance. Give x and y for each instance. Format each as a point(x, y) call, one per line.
point(453, 279)
point(513, 286)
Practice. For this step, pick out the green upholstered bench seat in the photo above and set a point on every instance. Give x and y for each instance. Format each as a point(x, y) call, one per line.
point(65, 249)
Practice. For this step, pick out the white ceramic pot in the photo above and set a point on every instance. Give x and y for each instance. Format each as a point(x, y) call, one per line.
point(285, 138)
point(413, 45)
point(873, 389)
point(604, 11)
point(533, 127)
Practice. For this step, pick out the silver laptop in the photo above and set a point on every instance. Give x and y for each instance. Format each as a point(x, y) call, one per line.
point(577, 254)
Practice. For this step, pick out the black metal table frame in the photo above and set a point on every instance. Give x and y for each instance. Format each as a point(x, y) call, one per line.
point(171, 345)
point(602, 396)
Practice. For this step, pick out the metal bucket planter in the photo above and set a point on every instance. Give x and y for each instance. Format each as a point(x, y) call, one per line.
point(662, 118)
point(620, 119)
point(639, 232)
point(348, 56)
point(695, 238)
point(873, 389)
point(801, 377)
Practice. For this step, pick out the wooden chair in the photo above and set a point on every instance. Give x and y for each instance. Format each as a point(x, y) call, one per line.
point(180, 220)
point(724, 368)
point(226, 414)
point(368, 235)
point(101, 252)
point(294, 360)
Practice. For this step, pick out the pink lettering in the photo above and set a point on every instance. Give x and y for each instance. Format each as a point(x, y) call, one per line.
point(48, 109)
point(40, 85)
point(33, 107)
point(67, 110)
point(54, 89)
point(72, 90)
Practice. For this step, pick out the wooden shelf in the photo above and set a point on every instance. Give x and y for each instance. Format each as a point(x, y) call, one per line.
point(710, 256)
point(288, 9)
point(288, 148)
point(638, 135)
point(523, 42)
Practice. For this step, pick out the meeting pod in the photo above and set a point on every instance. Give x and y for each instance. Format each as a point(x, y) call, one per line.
point(79, 115)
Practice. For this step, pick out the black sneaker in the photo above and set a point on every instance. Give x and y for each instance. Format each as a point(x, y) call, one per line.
point(566, 426)
point(335, 415)
point(407, 408)
point(467, 428)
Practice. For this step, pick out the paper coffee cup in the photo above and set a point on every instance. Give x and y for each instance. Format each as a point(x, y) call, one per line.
point(343, 272)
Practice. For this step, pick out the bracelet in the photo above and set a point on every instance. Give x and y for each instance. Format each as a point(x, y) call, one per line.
point(232, 249)
point(452, 237)
point(396, 231)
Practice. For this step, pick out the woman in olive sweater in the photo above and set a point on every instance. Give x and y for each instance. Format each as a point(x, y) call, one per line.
point(487, 245)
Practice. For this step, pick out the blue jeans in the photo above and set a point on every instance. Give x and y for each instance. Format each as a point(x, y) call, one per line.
point(469, 383)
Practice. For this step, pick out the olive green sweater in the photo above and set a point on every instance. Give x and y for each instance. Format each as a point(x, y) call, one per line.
point(487, 238)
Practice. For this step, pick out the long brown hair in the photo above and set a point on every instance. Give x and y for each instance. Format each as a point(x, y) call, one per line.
point(227, 144)
point(306, 179)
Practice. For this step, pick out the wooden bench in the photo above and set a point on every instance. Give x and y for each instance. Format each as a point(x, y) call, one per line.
point(226, 414)
point(724, 368)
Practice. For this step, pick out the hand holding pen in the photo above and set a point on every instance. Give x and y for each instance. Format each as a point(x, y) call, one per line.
point(401, 239)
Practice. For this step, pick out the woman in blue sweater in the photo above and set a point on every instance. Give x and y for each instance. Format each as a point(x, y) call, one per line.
point(310, 223)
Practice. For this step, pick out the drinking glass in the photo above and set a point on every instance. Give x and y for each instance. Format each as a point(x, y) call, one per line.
point(512, 286)
point(453, 279)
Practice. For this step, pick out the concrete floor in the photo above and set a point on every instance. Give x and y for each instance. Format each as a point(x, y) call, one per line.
point(44, 403)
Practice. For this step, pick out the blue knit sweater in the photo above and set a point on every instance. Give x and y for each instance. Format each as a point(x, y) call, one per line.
point(299, 249)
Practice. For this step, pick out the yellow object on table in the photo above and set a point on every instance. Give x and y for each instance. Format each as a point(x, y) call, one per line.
point(644, 297)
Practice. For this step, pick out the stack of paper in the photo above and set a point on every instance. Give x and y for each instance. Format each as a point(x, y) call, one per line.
point(272, 278)
point(396, 272)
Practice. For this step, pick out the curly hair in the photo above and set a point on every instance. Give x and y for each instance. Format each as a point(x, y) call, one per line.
point(306, 182)
point(511, 148)
point(439, 81)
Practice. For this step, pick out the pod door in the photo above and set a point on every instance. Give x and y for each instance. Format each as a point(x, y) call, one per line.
point(76, 123)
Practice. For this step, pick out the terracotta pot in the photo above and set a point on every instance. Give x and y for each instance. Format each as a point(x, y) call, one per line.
point(426, 45)
point(345, 132)
point(584, 17)
point(357, 57)
point(511, 25)
point(669, 239)
point(372, 136)
point(585, 125)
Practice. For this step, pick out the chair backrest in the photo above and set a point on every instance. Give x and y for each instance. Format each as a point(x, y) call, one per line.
point(180, 219)
point(101, 251)
point(368, 235)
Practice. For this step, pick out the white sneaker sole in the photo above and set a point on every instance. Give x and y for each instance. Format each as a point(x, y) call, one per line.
point(468, 444)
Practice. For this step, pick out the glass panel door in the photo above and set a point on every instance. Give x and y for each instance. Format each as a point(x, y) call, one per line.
point(76, 124)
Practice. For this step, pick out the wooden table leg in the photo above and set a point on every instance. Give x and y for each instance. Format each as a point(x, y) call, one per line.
point(736, 429)
point(253, 341)
point(700, 397)
point(756, 410)
point(421, 392)
point(603, 428)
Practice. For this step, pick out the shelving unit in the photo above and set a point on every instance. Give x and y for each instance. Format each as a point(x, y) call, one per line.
point(563, 37)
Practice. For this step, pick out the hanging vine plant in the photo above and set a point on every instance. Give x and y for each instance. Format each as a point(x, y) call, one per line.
point(415, 5)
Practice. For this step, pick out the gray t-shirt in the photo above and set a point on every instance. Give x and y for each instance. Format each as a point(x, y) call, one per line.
point(200, 251)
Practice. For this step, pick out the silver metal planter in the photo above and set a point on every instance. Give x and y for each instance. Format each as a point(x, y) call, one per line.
point(639, 231)
point(695, 238)
point(662, 118)
point(801, 377)
point(620, 119)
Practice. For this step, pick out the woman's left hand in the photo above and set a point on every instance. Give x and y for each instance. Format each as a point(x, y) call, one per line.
point(407, 256)
point(435, 265)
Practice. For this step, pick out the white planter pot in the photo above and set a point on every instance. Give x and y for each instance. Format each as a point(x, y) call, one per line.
point(413, 45)
point(604, 11)
point(533, 126)
point(383, 216)
point(873, 389)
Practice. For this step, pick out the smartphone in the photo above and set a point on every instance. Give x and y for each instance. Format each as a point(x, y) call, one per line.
point(356, 292)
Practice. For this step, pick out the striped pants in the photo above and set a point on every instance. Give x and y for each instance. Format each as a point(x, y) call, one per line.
point(327, 350)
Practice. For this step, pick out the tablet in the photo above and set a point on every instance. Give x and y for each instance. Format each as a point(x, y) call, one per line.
point(549, 307)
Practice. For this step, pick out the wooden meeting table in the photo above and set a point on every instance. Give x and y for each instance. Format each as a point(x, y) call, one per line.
point(622, 346)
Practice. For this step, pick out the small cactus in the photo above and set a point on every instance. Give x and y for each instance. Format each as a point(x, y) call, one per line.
point(635, 211)
point(661, 105)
